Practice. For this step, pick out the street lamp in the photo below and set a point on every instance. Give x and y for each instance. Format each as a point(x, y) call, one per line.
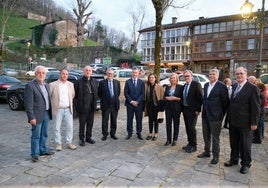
point(246, 10)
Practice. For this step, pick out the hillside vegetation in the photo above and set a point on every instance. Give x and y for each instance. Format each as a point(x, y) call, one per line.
point(18, 27)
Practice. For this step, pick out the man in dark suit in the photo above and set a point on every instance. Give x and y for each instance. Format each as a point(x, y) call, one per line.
point(109, 92)
point(244, 114)
point(134, 94)
point(215, 102)
point(192, 102)
point(38, 108)
point(86, 91)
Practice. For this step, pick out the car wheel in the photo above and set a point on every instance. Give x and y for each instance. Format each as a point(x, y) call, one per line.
point(14, 102)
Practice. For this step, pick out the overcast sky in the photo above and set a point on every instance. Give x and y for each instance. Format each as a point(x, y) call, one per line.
point(114, 13)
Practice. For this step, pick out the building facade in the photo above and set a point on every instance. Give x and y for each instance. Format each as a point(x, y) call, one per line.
point(224, 42)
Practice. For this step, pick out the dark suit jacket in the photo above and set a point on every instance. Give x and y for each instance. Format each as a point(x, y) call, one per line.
point(34, 102)
point(79, 87)
point(194, 97)
point(134, 93)
point(244, 109)
point(104, 94)
point(174, 105)
point(215, 105)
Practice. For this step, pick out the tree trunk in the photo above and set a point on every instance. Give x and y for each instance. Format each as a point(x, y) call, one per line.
point(158, 37)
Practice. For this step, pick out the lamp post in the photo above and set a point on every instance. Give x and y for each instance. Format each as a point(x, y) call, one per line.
point(246, 10)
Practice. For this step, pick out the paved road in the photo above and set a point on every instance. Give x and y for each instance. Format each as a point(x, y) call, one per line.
point(119, 163)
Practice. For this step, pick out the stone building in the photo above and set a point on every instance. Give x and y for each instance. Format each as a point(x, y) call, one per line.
point(56, 33)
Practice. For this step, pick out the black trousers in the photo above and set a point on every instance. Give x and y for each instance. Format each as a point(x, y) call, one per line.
point(106, 113)
point(174, 116)
point(190, 119)
point(86, 122)
point(240, 141)
point(138, 112)
point(211, 133)
point(152, 116)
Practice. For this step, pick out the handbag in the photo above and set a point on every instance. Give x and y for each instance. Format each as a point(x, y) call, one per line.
point(160, 117)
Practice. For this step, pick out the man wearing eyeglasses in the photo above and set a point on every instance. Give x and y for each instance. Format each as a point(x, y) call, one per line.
point(244, 113)
point(192, 102)
point(108, 92)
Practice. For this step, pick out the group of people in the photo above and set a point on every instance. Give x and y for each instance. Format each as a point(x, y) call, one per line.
point(241, 107)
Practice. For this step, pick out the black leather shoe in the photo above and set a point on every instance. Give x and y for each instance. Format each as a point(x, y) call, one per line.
point(128, 137)
point(149, 137)
point(82, 143)
point(114, 137)
point(139, 137)
point(35, 159)
point(203, 155)
point(244, 169)
point(154, 138)
point(190, 149)
point(48, 153)
point(167, 143)
point(104, 138)
point(230, 163)
point(173, 143)
point(90, 140)
point(214, 161)
point(186, 146)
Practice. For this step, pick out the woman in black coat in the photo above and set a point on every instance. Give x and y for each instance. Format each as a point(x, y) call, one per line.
point(172, 109)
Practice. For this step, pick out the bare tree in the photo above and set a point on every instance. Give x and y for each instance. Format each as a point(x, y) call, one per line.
point(160, 7)
point(82, 18)
point(137, 16)
point(7, 6)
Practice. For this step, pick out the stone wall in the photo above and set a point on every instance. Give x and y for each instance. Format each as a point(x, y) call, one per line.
point(37, 17)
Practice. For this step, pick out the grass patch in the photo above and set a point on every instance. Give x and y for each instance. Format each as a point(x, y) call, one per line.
point(18, 26)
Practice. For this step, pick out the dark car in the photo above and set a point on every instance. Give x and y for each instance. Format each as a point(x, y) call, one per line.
point(15, 94)
point(10, 72)
point(5, 83)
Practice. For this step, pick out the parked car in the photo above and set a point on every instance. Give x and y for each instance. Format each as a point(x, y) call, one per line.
point(98, 68)
point(49, 69)
point(202, 78)
point(10, 72)
point(15, 94)
point(5, 83)
point(165, 73)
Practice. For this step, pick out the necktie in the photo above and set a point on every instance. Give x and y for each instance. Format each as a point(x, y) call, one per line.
point(185, 92)
point(237, 90)
point(134, 82)
point(111, 88)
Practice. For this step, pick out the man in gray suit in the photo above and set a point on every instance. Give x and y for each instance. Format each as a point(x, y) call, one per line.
point(215, 102)
point(38, 108)
point(244, 114)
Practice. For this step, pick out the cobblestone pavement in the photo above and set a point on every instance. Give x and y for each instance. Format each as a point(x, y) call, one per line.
point(119, 163)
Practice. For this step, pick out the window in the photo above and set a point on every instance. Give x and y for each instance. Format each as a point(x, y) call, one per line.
point(203, 29)
point(168, 37)
point(197, 29)
point(209, 28)
point(173, 34)
point(251, 44)
point(229, 26)
point(237, 25)
point(228, 45)
point(208, 46)
point(216, 27)
point(172, 52)
point(223, 26)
